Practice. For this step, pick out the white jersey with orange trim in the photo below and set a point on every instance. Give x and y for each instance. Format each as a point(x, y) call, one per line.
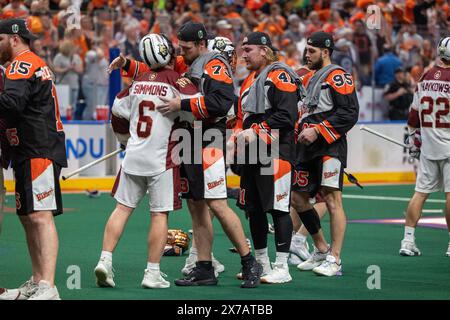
point(431, 109)
point(336, 113)
point(149, 148)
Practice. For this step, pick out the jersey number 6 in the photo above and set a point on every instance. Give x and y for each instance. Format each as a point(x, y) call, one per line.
point(144, 126)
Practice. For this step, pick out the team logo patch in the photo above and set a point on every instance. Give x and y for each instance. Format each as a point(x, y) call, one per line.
point(220, 45)
point(15, 28)
point(152, 76)
point(162, 50)
point(437, 75)
point(327, 43)
point(200, 34)
point(263, 40)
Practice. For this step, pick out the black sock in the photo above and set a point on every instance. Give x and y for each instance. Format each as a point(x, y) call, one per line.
point(207, 265)
point(282, 224)
point(258, 227)
point(247, 258)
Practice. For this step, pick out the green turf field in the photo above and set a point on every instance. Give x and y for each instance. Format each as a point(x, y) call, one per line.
point(81, 231)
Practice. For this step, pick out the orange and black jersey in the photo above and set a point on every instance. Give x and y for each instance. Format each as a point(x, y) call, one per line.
point(217, 94)
point(336, 113)
point(279, 120)
point(30, 105)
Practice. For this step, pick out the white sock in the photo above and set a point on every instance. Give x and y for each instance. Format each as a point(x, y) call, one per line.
point(409, 233)
point(153, 266)
point(282, 258)
point(298, 238)
point(106, 255)
point(193, 251)
point(262, 254)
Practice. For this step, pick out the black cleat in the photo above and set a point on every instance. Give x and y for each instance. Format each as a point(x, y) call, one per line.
point(251, 273)
point(198, 277)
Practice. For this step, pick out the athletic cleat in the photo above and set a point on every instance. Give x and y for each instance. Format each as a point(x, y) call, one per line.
point(189, 265)
point(251, 274)
point(24, 292)
point(315, 260)
point(300, 249)
point(329, 267)
point(198, 277)
point(294, 260)
point(45, 292)
point(218, 267)
point(409, 249)
point(154, 280)
point(266, 269)
point(192, 259)
point(279, 274)
point(448, 251)
point(104, 274)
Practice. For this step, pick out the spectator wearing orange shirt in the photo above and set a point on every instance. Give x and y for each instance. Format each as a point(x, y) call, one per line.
point(334, 22)
point(274, 24)
point(34, 21)
point(314, 24)
point(16, 9)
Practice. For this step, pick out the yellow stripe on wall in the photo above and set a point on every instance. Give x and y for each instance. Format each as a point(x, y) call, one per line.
point(106, 183)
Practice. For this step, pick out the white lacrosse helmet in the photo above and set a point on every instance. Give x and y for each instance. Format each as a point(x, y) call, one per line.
point(443, 48)
point(156, 50)
point(225, 47)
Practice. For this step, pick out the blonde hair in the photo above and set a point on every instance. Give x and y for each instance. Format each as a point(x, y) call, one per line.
point(270, 56)
point(66, 47)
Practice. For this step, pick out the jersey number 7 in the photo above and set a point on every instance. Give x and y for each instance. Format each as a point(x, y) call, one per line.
point(144, 126)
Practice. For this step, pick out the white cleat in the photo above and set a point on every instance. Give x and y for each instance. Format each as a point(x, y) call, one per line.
point(329, 267)
point(45, 292)
point(154, 279)
point(315, 260)
point(300, 249)
point(409, 249)
point(189, 264)
point(24, 292)
point(104, 273)
point(294, 260)
point(218, 267)
point(279, 274)
point(448, 251)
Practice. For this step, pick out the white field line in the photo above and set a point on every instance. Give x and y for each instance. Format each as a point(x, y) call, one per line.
point(355, 196)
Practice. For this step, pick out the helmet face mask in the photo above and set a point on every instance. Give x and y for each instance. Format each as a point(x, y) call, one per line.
point(443, 49)
point(225, 47)
point(156, 50)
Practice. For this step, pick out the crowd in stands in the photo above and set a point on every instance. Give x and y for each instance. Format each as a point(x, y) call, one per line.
point(401, 34)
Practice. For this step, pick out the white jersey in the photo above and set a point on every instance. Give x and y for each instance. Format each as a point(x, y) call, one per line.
point(149, 146)
point(432, 102)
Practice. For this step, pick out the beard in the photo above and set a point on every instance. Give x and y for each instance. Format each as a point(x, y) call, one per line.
point(317, 65)
point(6, 54)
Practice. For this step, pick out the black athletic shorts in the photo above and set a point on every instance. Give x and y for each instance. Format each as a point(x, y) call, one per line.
point(37, 187)
point(320, 172)
point(266, 191)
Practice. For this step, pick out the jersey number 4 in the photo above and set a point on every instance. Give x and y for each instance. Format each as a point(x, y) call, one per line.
point(428, 107)
point(144, 126)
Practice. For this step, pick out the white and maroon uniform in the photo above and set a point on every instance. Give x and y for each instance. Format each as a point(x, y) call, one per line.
point(148, 164)
point(430, 111)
